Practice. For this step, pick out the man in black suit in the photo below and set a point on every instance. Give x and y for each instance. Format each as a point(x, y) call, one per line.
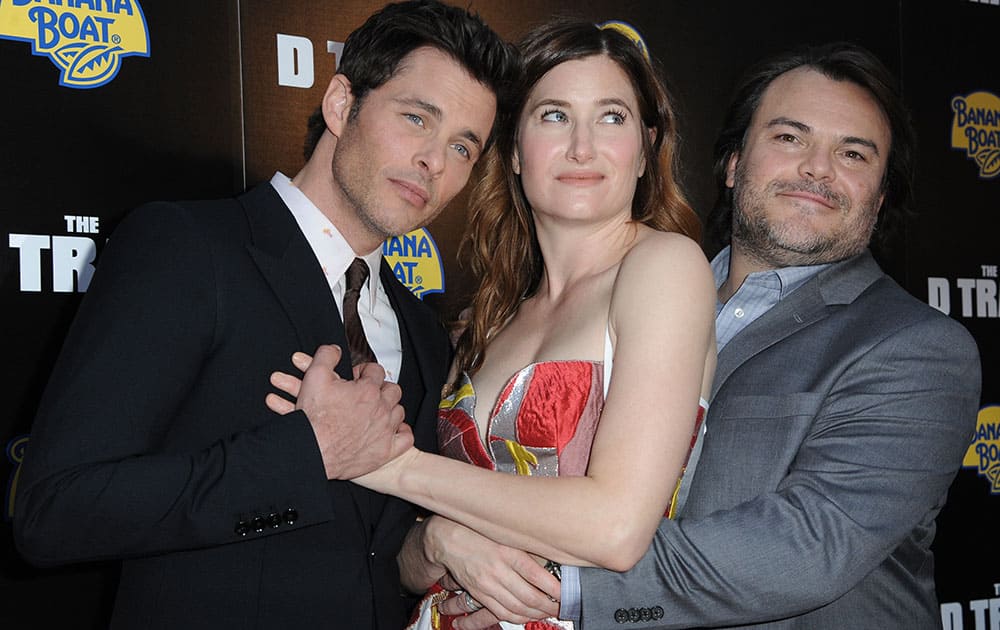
point(153, 444)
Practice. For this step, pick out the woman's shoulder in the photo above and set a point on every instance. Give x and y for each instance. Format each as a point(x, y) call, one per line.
point(662, 271)
point(657, 250)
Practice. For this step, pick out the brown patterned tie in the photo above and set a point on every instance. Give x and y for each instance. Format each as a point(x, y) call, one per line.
point(355, 278)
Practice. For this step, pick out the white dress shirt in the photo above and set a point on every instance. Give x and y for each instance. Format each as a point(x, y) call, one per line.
point(335, 256)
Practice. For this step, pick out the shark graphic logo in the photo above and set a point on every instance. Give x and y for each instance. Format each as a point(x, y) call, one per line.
point(85, 39)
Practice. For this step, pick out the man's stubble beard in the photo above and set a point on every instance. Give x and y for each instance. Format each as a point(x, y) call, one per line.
point(360, 198)
point(775, 245)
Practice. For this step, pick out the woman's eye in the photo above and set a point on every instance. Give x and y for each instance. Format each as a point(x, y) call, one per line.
point(554, 115)
point(615, 118)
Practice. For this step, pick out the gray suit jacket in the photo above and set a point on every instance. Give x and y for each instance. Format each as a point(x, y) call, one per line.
point(837, 423)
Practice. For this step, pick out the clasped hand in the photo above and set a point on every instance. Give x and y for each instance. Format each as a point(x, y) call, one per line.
point(359, 425)
point(509, 583)
point(362, 436)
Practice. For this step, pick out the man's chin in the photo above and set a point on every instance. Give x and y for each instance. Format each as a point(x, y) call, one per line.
point(820, 253)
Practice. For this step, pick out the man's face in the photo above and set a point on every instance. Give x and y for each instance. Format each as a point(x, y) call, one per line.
point(807, 185)
point(412, 144)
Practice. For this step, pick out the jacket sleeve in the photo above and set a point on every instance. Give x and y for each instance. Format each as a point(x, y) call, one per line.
point(102, 477)
point(874, 465)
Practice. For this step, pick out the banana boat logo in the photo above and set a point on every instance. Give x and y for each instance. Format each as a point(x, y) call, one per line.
point(983, 454)
point(415, 260)
point(975, 129)
point(85, 39)
point(627, 30)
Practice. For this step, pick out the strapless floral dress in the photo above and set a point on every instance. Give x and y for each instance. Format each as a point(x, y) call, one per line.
point(543, 423)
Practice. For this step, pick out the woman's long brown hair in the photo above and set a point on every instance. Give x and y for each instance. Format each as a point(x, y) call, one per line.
point(500, 246)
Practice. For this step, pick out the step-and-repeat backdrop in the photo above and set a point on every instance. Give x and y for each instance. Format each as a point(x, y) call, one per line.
point(110, 103)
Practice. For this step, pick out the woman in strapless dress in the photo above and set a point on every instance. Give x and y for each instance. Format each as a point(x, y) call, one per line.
point(588, 349)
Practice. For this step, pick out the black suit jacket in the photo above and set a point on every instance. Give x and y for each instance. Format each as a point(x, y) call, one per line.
point(153, 444)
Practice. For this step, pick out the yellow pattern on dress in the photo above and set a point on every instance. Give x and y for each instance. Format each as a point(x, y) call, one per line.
point(461, 393)
point(523, 458)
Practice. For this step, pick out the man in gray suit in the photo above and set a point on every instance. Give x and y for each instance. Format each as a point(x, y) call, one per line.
point(842, 406)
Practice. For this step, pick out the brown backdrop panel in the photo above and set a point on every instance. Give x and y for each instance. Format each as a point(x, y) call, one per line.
point(276, 114)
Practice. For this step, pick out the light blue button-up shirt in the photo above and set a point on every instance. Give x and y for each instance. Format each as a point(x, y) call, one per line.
point(759, 292)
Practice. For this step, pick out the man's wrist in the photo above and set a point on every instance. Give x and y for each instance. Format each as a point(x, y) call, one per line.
point(570, 594)
point(554, 568)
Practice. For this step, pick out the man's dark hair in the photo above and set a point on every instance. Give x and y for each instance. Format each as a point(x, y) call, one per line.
point(373, 52)
point(839, 61)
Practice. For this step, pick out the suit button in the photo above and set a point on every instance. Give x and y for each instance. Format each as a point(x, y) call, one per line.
point(274, 519)
point(646, 614)
point(633, 615)
point(242, 528)
point(290, 516)
point(657, 612)
point(258, 524)
point(621, 615)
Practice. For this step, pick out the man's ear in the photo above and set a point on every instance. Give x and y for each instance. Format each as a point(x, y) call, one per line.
point(337, 103)
point(731, 169)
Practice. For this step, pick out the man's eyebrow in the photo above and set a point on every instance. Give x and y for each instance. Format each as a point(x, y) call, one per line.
point(865, 142)
point(430, 108)
point(436, 112)
point(804, 128)
point(788, 122)
point(474, 138)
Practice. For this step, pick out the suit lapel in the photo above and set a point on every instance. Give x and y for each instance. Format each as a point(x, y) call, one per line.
point(411, 322)
point(290, 267)
point(288, 264)
point(840, 284)
point(799, 310)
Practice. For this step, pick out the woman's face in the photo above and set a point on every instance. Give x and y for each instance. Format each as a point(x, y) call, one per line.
point(579, 142)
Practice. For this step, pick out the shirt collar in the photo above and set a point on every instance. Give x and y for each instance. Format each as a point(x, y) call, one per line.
point(328, 244)
point(784, 279)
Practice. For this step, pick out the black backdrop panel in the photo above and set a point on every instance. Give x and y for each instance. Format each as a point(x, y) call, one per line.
point(951, 84)
point(167, 126)
point(215, 108)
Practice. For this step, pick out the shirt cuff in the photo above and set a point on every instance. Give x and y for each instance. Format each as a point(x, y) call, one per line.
point(569, 598)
